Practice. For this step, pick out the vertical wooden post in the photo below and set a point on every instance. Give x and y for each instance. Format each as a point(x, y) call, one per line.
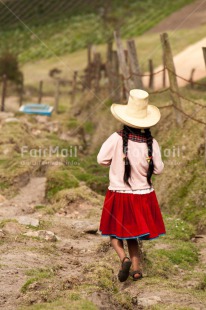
point(191, 78)
point(172, 76)
point(109, 75)
point(151, 77)
point(123, 64)
point(134, 64)
point(97, 61)
point(115, 79)
point(204, 54)
point(126, 56)
point(40, 91)
point(89, 58)
point(21, 93)
point(74, 87)
point(164, 71)
point(56, 102)
point(124, 91)
point(205, 145)
point(109, 51)
point(3, 96)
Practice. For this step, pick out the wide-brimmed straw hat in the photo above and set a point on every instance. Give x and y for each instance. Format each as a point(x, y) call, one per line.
point(137, 112)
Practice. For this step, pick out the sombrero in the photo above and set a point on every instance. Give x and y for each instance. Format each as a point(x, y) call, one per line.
point(137, 112)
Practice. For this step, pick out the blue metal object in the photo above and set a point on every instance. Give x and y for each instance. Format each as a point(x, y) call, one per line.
point(37, 108)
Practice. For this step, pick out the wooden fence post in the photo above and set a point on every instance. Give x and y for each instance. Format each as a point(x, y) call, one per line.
point(164, 71)
point(151, 77)
point(74, 87)
point(205, 144)
point(109, 51)
point(21, 93)
point(56, 103)
point(191, 78)
point(97, 61)
point(124, 91)
point(40, 91)
point(204, 54)
point(134, 64)
point(126, 56)
point(169, 63)
point(116, 83)
point(3, 96)
point(123, 65)
point(89, 61)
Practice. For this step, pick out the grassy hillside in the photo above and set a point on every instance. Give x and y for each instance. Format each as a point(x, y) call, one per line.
point(40, 29)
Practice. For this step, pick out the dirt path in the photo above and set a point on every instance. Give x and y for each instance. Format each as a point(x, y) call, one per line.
point(29, 196)
point(190, 16)
point(189, 58)
point(34, 270)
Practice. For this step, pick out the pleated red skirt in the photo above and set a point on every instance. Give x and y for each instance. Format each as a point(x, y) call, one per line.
point(128, 216)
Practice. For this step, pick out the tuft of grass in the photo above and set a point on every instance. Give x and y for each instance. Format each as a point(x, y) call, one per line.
point(202, 283)
point(58, 180)
point(36, 275)
point(102, 275)
point(178, 229)
point(39, 207)
point(63, 304)
point(184, 255)
point(3, 222)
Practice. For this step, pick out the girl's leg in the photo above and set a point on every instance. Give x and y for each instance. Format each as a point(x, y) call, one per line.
point(118, 246)
point(133, 249)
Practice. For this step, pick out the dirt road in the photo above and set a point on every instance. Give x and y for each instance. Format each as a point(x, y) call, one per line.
point(190, 58)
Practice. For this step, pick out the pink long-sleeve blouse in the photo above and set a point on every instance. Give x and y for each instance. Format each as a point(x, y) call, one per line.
point(111, 154)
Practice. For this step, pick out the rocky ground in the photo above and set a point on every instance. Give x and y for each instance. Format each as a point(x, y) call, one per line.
point(60, 261)
point(52, 255)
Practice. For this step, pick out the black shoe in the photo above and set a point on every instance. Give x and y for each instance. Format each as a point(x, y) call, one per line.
point(124, 273)
point(133, 273)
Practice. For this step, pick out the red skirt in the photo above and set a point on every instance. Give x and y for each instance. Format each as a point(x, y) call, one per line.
point(128, 216)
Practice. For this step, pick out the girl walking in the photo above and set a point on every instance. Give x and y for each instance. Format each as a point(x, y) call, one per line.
point(131, 210)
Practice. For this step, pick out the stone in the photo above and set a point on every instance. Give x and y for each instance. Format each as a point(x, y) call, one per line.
point(86, 226)
point(24, 220)
point(91, 229)
point(148, 301)
point(12, 120)
point(42, 234)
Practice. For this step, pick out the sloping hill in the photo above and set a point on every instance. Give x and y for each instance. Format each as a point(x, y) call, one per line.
point(188, 17)
point(40, 29)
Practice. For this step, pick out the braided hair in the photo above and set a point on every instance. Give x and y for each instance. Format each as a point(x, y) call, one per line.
point(150, 159)
point(125, 137)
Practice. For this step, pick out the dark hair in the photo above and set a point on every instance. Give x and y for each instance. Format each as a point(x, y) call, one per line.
point(125, 137)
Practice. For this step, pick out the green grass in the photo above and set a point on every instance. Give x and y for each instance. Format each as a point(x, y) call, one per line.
point(36, 275)
point(58, 180)
point(177, 251)
point(64, 304)
point(3, 222)
point(73, 32)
